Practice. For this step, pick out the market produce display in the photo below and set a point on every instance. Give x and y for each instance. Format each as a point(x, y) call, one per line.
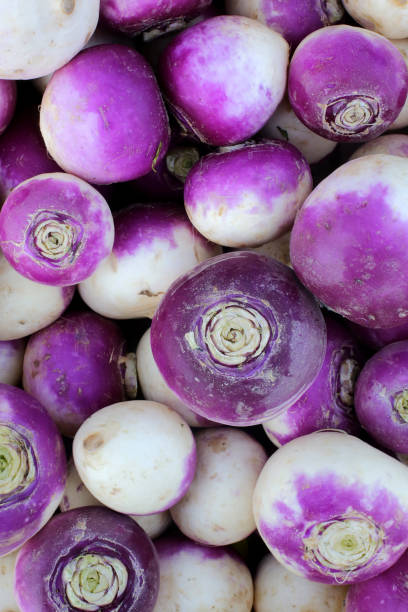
point(203, 306)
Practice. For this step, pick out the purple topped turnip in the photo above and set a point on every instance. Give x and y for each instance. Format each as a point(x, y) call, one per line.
point(88, 559)
point(26, 306)
point(38, 38)
point(388, 17)
point(248, 195)
point(387, 144)
point(201, 578)
point(348, 241)
point(8, 96)
point(76, 366)
point(294, 19)
point(341, 97)
point(224, 77)
point(119, 129)
point(56, 229)
point(11, 361)
point(382, 396)
point(153, 245)
point(332, 508)
point(32, 467)
point(238, 339)
point(136, 457)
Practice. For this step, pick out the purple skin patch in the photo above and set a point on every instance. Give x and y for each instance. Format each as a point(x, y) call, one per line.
point(387, 592)
point(238, 338)
point(329, 402)
point(73, 368)
point(42, 584)
point(8, 97)
point(139, 15)
point(347, 83)
point(123, 129)
point(28, 501)
point(325, 498)
point(381, 398)
point(377, 338)
point(55, 229)
point(219, 80)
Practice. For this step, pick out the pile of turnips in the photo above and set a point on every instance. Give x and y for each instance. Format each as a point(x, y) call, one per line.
point(204, 306)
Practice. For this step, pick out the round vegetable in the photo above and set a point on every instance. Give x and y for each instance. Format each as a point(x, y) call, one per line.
point(340, 97)
point(382, 396)
point(238, 339)
point(249, 195)
point(348, 241)
point(136, 457)
point(76, 366)
point(217, 508)
point(88, 559)
point(11, 361)
point(329, 401)
point(195, 577)
point(25, 306)
point(119, 130)
point(153, 245)
point(387, 17)
point(32, 467)
point(332, 508)
point(224, 77)
point(56, 229)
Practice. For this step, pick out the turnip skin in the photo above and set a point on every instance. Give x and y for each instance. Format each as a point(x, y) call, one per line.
point(237, 338)
point(7, 567)
point(198, 577)
point(212, 65)
point(247, 196)
point(380, 398)
point(56, 229)
point(294, 19)
point(277, 590)
point(328, 403)
point(136, 457)
point(348, 241)
point(377, 338)
point(39, 38)
point(117, 543)
point(387, 144)
point(346, 83)
point(8, 97)
point(33, 467)
point(119, 130)
point(11, 361)
point(332, 508)
point(386, 17)
point(77, 365)
point(402, 120)
point(26, 306)
point(154, 244)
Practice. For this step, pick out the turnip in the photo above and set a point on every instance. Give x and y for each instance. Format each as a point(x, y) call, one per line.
point(217, 508)
point(280, 590)
point(332, 508)
point(7, 566)
point(88, 559)
point(153, 245)
point(136, 16)
point(26, 306)
point(39, 38)
point(285, 125)
point(387, 144)
point(342, 98)
point(11, 361)
point(248, 195)
point(155, 388)
point(77, 365)
point(293, 19)
point(381, 398)
point(32, 467)
point(119, 128)
point(329, 401)
point(56, 229)
point(224, 77)
point(194, 577)
point(348, 241)
point(238, 339)
point(8, 96)
point(387, 17)
point(387, 592)
point(22, 151)
point(76, 495)
point(136, 457)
